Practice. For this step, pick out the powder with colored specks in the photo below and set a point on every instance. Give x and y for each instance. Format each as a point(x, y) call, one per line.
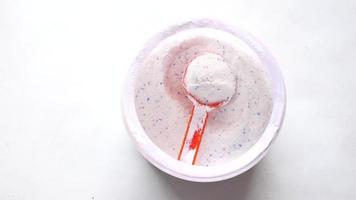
point(209, 79)
point(163, 108)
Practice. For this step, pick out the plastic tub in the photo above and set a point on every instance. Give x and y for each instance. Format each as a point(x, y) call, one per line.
point(230, 169)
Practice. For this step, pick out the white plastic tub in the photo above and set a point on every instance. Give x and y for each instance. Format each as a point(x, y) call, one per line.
point(201, 173)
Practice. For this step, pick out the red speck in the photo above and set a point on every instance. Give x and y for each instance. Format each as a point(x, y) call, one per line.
point(196, 139)
point(215, 104)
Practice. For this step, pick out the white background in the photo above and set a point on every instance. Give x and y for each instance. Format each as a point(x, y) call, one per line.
point(62, 64)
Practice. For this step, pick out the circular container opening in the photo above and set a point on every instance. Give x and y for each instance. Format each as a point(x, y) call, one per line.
point(201, 173)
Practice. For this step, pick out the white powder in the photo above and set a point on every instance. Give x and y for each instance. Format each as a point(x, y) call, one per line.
point(209, 79)
point(163, 108)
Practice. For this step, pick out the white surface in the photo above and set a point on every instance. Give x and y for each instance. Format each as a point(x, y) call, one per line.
point(62, 64)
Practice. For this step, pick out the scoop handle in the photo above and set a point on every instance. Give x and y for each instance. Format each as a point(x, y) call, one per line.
point(193, 134)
